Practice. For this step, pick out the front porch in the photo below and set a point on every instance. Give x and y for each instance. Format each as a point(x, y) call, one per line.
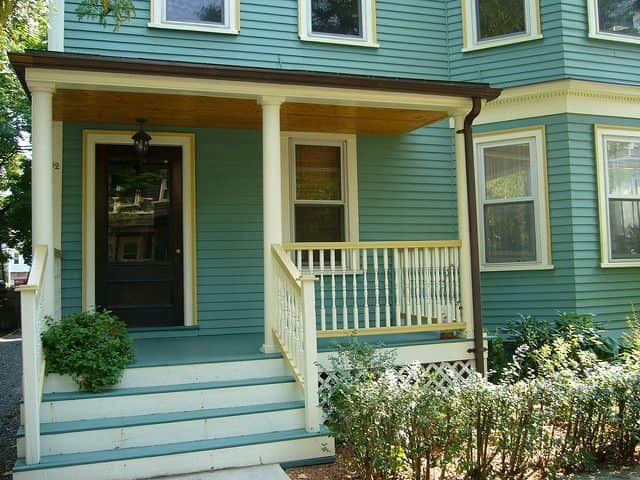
point(255, 264)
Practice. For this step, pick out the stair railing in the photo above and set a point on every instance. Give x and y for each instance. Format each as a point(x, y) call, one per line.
point(295, 330)
point(33, 301)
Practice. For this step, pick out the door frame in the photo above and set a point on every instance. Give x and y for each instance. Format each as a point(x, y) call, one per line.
point(118, 137)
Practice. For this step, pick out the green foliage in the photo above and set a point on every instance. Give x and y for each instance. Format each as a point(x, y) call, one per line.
point(121, 10)
point(23, 25)
point(93, 347)
point(522, 339)
point(575, 413)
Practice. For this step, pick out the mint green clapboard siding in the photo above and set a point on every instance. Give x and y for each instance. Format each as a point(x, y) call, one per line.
point(577, 283)
point(595, 59)
point(406, 192)
point(509, 65)
point(411, 34)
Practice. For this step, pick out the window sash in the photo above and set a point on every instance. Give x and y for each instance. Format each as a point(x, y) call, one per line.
point(534, 198)
point(367, 35)
point(293, 184)
point(361, 21)
point(225, 23)
point(597, 18)
point(609, 231)
point(478, 40)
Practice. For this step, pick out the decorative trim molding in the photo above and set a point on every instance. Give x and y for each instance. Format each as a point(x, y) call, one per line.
point(563, 96)
point(118, 137)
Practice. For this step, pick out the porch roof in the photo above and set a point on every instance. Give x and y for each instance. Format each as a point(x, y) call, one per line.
point(116, 90)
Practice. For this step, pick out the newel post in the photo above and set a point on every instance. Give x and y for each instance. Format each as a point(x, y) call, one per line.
point(312, 402)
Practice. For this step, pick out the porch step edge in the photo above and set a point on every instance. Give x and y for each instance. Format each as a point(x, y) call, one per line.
point(123, 392)
point(56, 428)
point(89, 458)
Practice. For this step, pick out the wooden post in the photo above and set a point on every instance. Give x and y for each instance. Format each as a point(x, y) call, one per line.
point(271, 209)
point(312, 402)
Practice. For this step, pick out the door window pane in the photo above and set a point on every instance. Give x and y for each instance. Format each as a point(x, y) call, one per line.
point(621, 17)
point(623, 165)
point(138, 216)
point(337, 17)
point(499, 18)
point(319, 223)
point(198, 11)
point(318, 172)
point(507, 171)
point(624, 216)
point(510, 232)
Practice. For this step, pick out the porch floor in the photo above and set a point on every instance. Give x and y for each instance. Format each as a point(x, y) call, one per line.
point(246, 346)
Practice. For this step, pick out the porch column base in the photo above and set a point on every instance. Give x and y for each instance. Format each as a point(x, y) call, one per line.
point(269, 348)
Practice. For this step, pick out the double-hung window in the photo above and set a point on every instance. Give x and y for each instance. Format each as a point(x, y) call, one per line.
point(350, 22)
point(490, 23)
point(615, 20)
point(218, 16)
point(512, 194)
point(618, 158)
point(321, 186)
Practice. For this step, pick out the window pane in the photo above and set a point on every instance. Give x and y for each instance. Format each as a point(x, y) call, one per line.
point(624, 219)
point(497, 18)
point(199, 11)
point(138, 217)
point(319, 223)
point(318, 173)
point(507, 171)
point(623, 164)
point(338, 17)
point(510, 232)
point(621, 17)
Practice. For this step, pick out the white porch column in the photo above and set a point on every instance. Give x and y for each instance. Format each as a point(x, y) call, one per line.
point(271, 207)
point(466, 297)
point(42, 199)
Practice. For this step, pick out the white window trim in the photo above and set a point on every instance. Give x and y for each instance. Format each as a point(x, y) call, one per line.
point(349, 178)
point(369, 34)
point(537, 136)
point(470, 29)
point(602, 132)
point(231, 23)
point(186, 141)
point(594, 27)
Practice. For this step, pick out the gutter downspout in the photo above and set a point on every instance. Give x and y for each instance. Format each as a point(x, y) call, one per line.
point(478, 335)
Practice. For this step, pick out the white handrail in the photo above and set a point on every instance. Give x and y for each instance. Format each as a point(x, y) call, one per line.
point(33, 324)
point(295, 330)
point(384, 287)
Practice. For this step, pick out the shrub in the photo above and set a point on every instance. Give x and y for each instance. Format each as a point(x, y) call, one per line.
point(93, 347)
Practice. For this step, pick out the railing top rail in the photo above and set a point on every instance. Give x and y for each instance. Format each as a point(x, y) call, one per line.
point(369, 245)
point(286, 263)
point(37, 270)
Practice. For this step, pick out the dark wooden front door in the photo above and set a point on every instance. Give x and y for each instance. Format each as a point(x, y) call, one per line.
point(139, 235)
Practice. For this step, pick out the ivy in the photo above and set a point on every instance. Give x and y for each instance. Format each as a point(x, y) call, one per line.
point(121, 10)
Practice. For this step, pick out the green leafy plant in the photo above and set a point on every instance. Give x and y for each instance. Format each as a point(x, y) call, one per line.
point(121, 10)
point(93, 347)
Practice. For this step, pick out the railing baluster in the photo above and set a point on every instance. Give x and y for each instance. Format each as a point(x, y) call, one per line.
point(456, 262)
point(323, 313)
point(334, 310)
point(376, 283)
point(398, 285)
point(387, 305)
point(436, 268)
point(354, 264)
point(406, 265)
point(365, 287)
point(345, 310)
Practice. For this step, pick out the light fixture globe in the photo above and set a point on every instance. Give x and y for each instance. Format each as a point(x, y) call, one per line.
point(141, 140)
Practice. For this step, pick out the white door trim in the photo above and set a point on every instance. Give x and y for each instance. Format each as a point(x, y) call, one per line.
point(186, 141)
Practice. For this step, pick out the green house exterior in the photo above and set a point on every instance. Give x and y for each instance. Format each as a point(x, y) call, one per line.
point(317, 178)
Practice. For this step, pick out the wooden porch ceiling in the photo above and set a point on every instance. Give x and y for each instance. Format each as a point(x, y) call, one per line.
point(214, 112)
